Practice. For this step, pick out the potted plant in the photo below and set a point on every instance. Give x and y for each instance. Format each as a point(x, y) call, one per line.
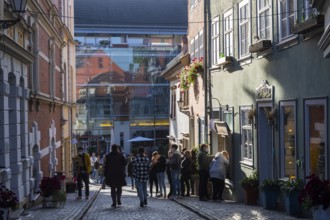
point(53, 194)
point(270, 188)
point(315, 196)
point(292, 189)
point(190, 73)
point(8, 201)
point(250, 185)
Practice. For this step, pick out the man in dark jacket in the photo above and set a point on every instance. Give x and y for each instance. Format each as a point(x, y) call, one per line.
point(114, 172)
point(203, 165)
point(175, 162)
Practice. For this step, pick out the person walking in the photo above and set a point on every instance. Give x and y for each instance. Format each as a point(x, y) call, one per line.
point(114, 172)
point(186, 172)
point(203, 166)
point(160, 170)
point(130, 171)
point(168, 174)
point(141, 167)
point(175, 162)
point(82, 168)
point(153, 173)
point(93, 159)
point(218, 168)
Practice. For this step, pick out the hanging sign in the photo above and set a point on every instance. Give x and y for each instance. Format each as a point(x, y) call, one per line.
point(264, 92)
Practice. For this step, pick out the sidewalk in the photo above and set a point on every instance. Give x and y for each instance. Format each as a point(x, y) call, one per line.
point(230, 210)
point(73, 208)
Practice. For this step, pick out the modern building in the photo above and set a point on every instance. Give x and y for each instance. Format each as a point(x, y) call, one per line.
point(121, 49)
point(37, 80)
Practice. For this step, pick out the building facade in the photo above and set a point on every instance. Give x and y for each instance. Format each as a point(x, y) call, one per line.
point(270, 77)
point(120, 94)
point(37, 75)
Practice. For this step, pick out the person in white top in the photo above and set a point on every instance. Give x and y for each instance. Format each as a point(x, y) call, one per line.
point(217, 172)
point(93, 160)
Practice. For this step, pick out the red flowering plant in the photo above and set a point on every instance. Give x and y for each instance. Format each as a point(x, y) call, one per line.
point(315, 193)
point(190, 73)
point(8, 198)
point(49, 185)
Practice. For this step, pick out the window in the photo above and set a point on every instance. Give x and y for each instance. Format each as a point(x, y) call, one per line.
point(192, 48)
point(173, 103)
point(316, 137)
point(246, 136)
point(201, 45)
point(286, 16)
point(244, 28)
point(288, 141)
point(196, 48)
point(264, 19)
point(215, 41)
point(228, 33)
point(184, 96)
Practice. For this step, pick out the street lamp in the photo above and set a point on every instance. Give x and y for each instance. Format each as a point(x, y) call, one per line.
point(18, 7)
point(180, 103)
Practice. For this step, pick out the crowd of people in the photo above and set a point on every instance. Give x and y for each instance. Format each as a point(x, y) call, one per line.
point(113, 168)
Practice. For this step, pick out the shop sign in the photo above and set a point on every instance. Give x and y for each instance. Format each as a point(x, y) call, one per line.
point(264, 92)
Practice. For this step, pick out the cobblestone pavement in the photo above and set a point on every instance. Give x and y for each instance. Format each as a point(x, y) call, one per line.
point(229, 210)
point(73, 208)
point(157, 208)
point(99, 207)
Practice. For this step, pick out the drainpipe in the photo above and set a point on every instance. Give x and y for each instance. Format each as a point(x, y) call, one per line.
point(205, 72)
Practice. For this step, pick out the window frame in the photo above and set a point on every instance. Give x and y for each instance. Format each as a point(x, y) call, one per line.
point(248, 127)
point(282, 104)
point(229, 32)
point(280, 19)
point(307, 103)
point(260, 11)
point(215, 41)
point(244, 23)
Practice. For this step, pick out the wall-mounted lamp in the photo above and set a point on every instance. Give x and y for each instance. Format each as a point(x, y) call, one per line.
point(18, 7)
point(180, 103)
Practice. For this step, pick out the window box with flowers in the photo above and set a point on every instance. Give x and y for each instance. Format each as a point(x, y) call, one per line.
point(53, 194)
point(190, 73)
point(316, 197)
point(8, 202)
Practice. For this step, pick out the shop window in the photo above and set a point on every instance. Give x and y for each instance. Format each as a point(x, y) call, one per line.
point(316, 137)
point(246, 136)
point(288, 138)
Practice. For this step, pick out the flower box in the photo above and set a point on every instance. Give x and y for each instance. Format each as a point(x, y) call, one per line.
point(223, 61)
point(260, 46)
point(309, 25)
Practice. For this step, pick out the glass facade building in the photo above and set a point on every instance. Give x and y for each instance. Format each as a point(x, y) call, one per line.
point(120, 94)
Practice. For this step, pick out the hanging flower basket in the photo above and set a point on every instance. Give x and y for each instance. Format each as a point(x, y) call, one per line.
point(190, 73)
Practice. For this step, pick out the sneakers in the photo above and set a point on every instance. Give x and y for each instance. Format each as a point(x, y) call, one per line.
point(113, 205)
point(119, 202)
point(141, 204)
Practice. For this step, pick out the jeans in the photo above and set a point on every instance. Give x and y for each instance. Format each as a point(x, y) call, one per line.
point(203, 181)
point(161, 183)
point(80, 178)
point(116, 192)
point(141, 190)
point(176, 182)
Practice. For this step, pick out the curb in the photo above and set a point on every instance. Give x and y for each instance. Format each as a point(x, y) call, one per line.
point(88, 205)
point(195, 210)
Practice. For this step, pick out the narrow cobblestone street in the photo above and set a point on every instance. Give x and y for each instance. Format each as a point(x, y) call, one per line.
point(99, 207)
point(156, 209)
